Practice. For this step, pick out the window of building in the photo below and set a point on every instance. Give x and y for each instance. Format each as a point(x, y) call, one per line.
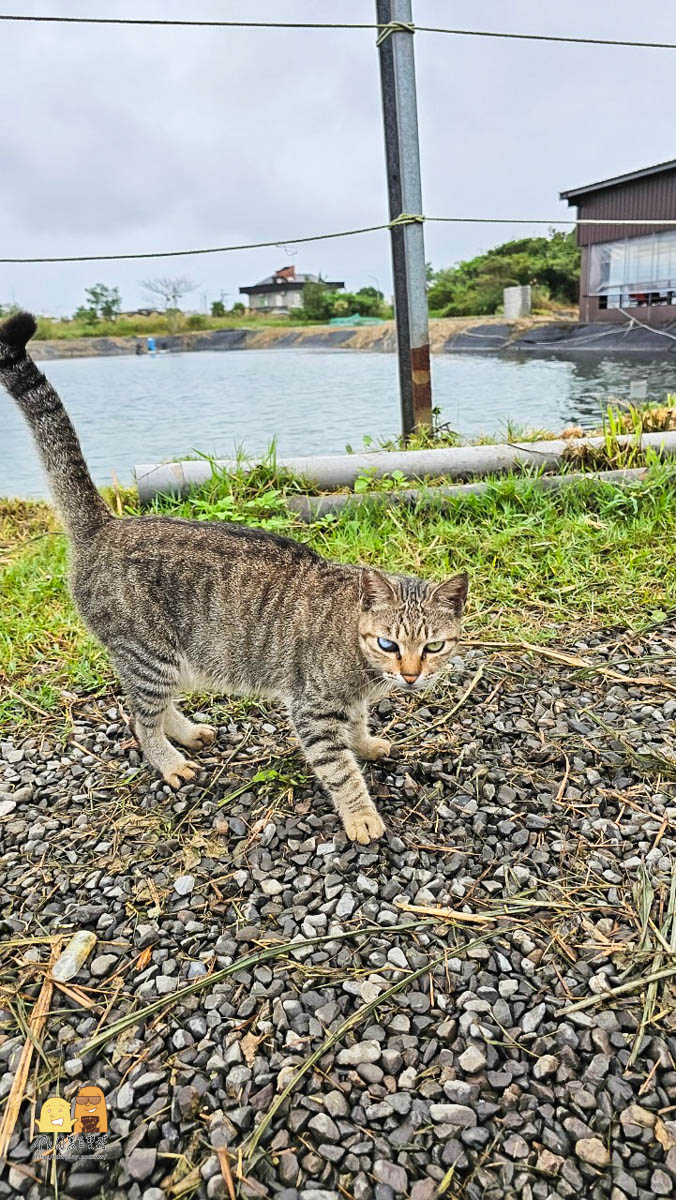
point(634, 273)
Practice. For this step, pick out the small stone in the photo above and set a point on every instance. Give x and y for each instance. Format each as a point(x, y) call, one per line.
point(217, 1189)
point(453, 1114)
point(188, 1101)
point(634, 1114)
point(165, 984)
point(458, 1091)
point(472, 1060)
point(141, 1163)
point(661, 1184)
point(546, 1065)
point(345, 906)
point(516, 1146)
point(370, 991)
point(7, 807)
point(397, 957)
point(73, 1067)
point(391, 1061)
point(19, 1182)
point(371, 886)
point(548, 1162)
point(391, 1175)
point(508, 987)
point(288, 1167)
point(196, 969)
point(592, 1151)
point(335, 1104)
point(84, 1184)
point(125, 1097)
point(361, 1052)
point(532, 1019)
point(327, 1129)
point(424, 1189)
point(103, 964)
point(271, 887)
point(184, 884)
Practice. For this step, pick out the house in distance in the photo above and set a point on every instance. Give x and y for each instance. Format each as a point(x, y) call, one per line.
point(283, 291)
point(627, 267)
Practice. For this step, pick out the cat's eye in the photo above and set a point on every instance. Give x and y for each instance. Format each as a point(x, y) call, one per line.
point(386, 644)
point(434, 647)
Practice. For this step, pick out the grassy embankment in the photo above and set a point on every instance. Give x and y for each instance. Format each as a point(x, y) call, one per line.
point(543, 566)
point(156, 326)
point(266, 327)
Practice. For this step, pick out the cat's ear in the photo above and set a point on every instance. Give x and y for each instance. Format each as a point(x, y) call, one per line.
point(375, 589)
point(452, 592)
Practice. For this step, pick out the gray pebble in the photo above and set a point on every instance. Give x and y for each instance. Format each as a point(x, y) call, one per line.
point(324, 1127)
point(592, 1150)
point(661, 1183)
point(472, 1060)
point(103, 964)
point(453, 1114)
point(361, 1052)
point(532, 1019)
point(184, 884)
point(141, 1163)
point(391, 1175)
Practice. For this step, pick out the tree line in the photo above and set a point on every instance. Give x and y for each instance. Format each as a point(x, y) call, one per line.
point(551, 265)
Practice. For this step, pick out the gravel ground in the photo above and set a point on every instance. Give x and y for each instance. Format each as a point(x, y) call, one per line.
point(540, 818)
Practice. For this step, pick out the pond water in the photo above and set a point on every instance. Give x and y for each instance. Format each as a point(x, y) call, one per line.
point(132, 409)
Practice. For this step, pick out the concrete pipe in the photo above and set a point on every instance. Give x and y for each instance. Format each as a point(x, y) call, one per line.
point(310, 508)
point(326, 471)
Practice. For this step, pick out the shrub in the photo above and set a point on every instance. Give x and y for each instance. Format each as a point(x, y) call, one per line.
point(197, 321)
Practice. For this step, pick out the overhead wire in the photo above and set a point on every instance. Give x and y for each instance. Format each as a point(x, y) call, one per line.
point(403, 219)
point(383, 31)
point(393, 26)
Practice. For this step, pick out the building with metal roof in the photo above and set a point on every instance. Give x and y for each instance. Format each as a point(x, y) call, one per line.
point(628, 268)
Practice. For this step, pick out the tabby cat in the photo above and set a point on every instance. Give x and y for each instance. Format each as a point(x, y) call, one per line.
point(204, 605)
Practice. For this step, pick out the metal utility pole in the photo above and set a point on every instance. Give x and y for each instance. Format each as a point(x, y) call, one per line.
point(400, 119)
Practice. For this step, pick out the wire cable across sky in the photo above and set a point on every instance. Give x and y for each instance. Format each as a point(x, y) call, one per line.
point(159, 22)
point(404, 219)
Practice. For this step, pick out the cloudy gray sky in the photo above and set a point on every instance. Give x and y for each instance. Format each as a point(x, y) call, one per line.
point(117, 140)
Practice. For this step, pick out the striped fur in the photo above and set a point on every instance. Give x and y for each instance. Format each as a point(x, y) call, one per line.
point(212, 606)
point(76, 498)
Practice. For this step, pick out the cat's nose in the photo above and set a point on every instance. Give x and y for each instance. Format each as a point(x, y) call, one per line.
point(410, 677)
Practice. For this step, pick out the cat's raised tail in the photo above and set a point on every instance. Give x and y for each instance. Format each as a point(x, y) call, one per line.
point(80, 505)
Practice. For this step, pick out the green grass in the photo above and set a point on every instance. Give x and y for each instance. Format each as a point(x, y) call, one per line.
point(542, 565)
point(159, 325)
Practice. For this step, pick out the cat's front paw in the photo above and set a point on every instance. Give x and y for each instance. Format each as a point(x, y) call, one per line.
point(374, 748)
point(363, 826)
point(183, 773)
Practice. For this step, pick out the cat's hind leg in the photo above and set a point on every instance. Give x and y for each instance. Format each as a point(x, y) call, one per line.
point(151, 681)
point(186, 732)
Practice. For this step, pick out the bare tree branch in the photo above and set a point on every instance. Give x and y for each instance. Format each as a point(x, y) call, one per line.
point(169, 288)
